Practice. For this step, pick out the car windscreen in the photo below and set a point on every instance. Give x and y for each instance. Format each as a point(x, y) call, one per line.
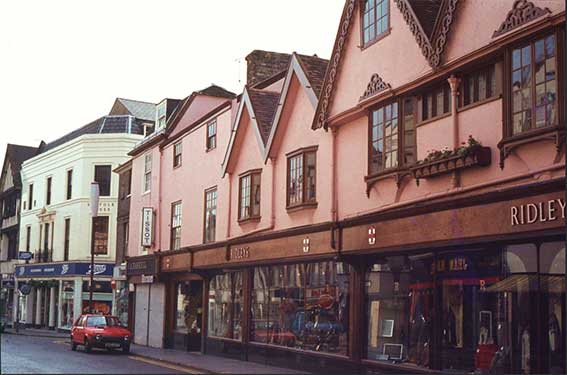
point(93, 321)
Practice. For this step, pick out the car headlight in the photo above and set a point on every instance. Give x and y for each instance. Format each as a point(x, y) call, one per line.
point(98, 337)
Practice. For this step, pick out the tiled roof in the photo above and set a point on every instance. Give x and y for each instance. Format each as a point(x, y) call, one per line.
point(315, 69)
point(265, 104)
point(103, 125)
point(217, 91)
point(141, 110)
point(16, 155)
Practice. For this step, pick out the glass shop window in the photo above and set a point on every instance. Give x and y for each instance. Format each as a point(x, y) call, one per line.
point(225, 306)
point(301, 306)
point(67, 304)
point(399, 306)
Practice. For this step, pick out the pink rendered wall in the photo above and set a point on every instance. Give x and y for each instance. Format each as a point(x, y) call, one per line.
point(483, 122)
point(140, 199)
point(200, 106)
point(200, 170)
point(294, 132)
point(247, 155)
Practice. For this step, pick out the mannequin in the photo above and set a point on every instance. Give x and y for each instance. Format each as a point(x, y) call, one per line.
point(525, 345)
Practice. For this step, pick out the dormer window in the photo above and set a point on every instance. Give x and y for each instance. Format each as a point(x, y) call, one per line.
point(375, 21)
point(161, 115)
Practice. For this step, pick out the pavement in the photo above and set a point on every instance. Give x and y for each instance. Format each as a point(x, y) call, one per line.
point(185, 362)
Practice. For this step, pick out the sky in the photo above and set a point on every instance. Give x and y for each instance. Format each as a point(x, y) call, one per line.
point(63, 63)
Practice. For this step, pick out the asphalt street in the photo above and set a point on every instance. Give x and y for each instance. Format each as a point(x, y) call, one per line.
point(44, 355)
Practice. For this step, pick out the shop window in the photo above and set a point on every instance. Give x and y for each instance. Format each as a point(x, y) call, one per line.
point(122, 302)
point(103, 177)
point(478, 86)
point(225, 306)
point(375, 20)
point(400, 310)
point(211, 135)
point(302, 306)
point(210, 215)
point(177, 154)
point(100, 228)
point(301, 178)
point(534, 85)
point(67, 304)
point(176, 218)
point(250, 194)
point(552, 284)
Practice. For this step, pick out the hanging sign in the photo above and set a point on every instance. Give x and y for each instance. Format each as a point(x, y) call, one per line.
point(147, 226)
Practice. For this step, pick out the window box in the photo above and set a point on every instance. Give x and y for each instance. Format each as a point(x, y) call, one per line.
point(476, 156)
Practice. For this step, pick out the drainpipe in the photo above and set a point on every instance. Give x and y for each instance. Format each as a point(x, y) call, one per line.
point(334, 198)
point(273, 195)
point(229, 205)
point(454, 84)
point(159, 215)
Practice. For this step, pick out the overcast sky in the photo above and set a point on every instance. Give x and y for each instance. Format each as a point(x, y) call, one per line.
point(62, 63)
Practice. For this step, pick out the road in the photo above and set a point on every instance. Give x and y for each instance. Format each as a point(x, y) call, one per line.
point(44, 355)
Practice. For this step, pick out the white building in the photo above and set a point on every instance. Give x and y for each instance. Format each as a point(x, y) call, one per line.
point(56, 223)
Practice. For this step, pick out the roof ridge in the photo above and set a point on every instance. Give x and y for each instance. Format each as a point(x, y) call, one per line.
point(133, 100)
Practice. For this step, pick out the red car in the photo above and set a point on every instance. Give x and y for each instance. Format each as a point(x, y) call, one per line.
point(100, 331)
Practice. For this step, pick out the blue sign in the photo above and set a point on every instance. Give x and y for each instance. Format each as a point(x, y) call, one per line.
point(63, 269)
point(25, 255)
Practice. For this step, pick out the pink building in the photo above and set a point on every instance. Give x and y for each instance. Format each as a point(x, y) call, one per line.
point(398, 208)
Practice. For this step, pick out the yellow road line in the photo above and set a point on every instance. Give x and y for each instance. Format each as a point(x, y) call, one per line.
point(166, 365)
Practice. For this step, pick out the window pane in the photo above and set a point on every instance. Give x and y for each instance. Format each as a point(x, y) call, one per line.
point(256, 194)
point(550, 46)
point(516, 61)
point(310, 188)
point(225, 308)
point(100, 228)
point(539, 51)
point(103, 176)
point(526, 56)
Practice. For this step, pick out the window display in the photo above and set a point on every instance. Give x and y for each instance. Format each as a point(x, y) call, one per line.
point(225, 306)
point(122, 302)
point(304, 306)
point(67, 304)
point(399, 303)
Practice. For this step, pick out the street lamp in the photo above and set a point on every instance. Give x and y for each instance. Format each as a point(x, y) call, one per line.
point(95, 194)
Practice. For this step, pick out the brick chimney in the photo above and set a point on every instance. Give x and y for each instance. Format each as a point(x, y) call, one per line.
point(262, 65)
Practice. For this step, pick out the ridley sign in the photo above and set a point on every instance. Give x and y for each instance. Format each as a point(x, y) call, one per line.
point(537, 212)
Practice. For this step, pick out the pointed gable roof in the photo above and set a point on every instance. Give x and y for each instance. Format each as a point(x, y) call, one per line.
point(310, 72)
point(15, 156)
point(265, 104)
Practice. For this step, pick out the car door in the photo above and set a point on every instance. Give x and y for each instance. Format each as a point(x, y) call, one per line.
point(79, 328)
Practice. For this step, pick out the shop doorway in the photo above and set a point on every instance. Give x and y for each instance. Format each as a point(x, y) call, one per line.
point(188, 310)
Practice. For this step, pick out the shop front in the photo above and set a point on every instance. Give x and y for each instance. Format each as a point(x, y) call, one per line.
point(475, 285)
point(477, 288)
point(56, 294)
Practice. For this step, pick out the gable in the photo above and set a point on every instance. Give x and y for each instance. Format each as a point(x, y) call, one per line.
point(7, 181)
point(245, 143)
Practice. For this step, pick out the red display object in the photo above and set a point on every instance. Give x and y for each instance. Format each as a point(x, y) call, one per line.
point(484, 355)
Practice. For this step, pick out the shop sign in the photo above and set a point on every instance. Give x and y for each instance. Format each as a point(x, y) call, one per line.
point(25, 255)
point(147, 279)
point(63, 269)
point(237, 253)
point(141, 266)
point(147, 226)
point(541, 212)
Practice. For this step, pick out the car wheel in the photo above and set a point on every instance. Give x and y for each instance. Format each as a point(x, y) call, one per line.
point(88, 346)
point(126, 348)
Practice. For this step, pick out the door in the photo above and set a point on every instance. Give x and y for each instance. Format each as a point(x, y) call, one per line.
point(188, 315)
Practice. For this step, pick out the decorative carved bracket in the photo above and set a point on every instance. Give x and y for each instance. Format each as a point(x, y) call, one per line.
point(432, 48)
point(397, 175)
point(555, 134)
point(375, 86)
point(523, 11)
